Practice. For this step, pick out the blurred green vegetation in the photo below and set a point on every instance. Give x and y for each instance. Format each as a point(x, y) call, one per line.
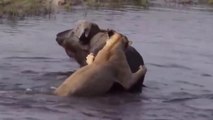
point(21, 8)
point(115, 3)
point(210, 1)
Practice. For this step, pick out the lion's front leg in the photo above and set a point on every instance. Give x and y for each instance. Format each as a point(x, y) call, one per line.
point(90, 58)
point(135, 77)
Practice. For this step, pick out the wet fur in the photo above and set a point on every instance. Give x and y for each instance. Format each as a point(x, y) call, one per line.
point(87, 37)
point(103, 70)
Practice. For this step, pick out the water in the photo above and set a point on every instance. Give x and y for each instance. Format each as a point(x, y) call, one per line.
point(176, 46)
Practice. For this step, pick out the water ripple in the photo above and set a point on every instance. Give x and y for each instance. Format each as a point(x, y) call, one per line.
point(31, 58)
point(170, 66)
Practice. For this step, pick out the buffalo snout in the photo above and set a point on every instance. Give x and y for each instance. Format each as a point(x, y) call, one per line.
point(62, 36)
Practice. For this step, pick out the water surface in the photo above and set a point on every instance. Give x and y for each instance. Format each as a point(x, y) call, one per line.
point(176, 45)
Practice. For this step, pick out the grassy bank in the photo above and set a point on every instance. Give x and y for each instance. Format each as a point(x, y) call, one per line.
point(21, 8)
point(11, 8)
point(116, 3)
point(210, 2)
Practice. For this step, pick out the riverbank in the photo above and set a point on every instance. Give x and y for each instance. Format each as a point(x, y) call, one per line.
point(22, 8)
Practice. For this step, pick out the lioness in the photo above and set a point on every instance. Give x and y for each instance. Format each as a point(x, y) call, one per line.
point(109, 66)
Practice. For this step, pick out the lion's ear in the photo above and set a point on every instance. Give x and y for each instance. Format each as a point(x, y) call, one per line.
point(126, 42)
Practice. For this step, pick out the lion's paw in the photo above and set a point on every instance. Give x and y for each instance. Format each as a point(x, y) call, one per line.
point(90, 58)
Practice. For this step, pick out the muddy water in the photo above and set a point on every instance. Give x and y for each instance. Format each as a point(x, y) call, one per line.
point(176, 46)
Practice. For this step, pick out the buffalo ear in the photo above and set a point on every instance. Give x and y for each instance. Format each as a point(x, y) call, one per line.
point(110, 32)
point(83, 38)
point(88, 33)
